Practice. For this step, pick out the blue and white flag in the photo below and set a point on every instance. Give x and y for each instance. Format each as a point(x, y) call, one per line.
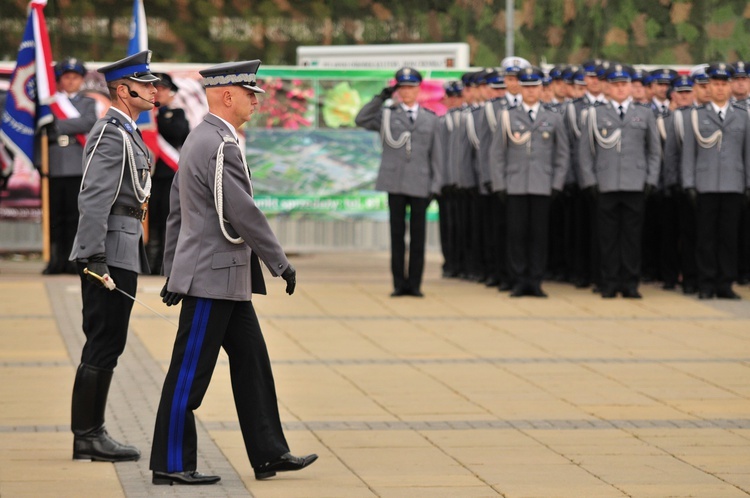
point(32, 90)
point(138, 31)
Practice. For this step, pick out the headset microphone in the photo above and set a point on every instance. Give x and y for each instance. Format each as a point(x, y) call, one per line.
point(134, 94)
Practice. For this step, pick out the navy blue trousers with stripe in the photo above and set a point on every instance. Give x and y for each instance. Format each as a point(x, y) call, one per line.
point(206, 326)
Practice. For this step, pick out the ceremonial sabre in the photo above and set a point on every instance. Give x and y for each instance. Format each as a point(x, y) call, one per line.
point(107, 281)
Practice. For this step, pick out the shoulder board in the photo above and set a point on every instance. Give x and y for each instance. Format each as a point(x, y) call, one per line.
point(426, 109)
point(643, 104)
point(740, 105)
point(392, 106)
point(552, 107)
point(579, 99)
point(685, 108)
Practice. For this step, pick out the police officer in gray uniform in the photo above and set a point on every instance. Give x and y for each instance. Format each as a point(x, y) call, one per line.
point(109, 243)
point(533, 153)
point(66, 140)
point(216, 236)
point(620, 154)
point(715, 173)
point(409, 172)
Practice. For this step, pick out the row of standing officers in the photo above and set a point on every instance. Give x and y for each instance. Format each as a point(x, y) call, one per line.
point(596, 174)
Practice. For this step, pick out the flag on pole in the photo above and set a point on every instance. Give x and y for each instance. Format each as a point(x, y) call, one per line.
point(138, 31)
point(32, 90)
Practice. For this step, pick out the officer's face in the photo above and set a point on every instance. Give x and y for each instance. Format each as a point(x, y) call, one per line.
point(720, 90)
point(164, 95)
point(144, 101)
point(740, 87)
point(559, 90)
point(70, 82)
point(659, 90)
point(701, 93)
point(639, 93)
point(593, 85)
point(531, 94)
point(244, 103)
point(511, 82)
point(408, 94)
point(683, 98)
point(619, 90)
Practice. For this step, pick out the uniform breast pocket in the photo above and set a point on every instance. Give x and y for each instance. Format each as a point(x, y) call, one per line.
point(228, 273)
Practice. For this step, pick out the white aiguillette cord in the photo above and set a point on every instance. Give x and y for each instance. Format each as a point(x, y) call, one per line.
point(110, 285)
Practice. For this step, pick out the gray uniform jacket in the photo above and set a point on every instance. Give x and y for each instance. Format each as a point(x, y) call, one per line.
point(537, 167)
point(198, 258)
point(638, 159)
point(718, 169)
point(447, 126)
point(675, 125)
point(99, 232)
point(486, 130)
point(572, 112)
point(65, 151)
point(464, 154)
point(414, 173)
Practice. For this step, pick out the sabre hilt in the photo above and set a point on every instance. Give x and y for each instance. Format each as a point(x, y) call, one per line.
point(106, 280)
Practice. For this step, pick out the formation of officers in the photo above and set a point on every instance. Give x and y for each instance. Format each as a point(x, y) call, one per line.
point(599, 175)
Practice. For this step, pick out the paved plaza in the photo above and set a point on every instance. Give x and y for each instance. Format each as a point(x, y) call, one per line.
point(464, 393)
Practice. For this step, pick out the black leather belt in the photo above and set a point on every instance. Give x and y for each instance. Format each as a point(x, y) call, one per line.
point(133, 212)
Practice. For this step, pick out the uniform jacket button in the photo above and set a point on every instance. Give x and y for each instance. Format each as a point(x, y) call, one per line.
point(281, 266)
point(234, 261)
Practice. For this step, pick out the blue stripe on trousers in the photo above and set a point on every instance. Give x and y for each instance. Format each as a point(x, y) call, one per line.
point(184, 385)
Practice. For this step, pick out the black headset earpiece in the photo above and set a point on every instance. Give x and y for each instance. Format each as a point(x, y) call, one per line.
point(133, 94)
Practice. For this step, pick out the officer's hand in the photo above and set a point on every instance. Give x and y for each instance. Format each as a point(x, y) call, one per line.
point(290, 275)
point(692, 195)
point(97, 263)
point(169, 298)
point(593, 191)
point(502, 195)
point(648, 189)
point(387, 92)
point(487, 187)
point(555, 193)
point(747, 194)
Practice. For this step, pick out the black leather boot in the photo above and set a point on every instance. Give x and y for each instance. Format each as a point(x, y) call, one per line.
point(91, 441)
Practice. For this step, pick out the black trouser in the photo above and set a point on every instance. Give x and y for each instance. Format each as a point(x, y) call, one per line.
point(669, 253)
point(446, 233)
point(528, 230)
point(651, 239)
point(556, 267)
point(206, 326)
point(158, 210)
point(106, 315)
point(417, 232)
point(687, 241)
point(63, 218)
point(620, 228)
point(476, 237)
point(583, 205)
point(490, 240)
point(743, 267)
point(500, 219)
point(717, 218)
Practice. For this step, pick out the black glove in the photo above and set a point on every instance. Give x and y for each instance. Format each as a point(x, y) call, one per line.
point(555, 193)
point(487, 187)
point(593, 191)
point(290, 275)
point(648, 189)
point(692, 195)
point(96, 263)
point(502, 195)
point(169, 298)
point(387, 92)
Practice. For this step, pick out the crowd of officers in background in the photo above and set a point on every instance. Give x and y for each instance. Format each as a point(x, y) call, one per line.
point(598, 175)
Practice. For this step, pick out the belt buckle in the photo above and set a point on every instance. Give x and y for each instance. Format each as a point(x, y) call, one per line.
point(63, 140)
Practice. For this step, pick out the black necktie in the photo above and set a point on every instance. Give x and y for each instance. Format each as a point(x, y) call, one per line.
point(622, 112)
point(138, 130)
point(531, 115)
point(721, 115)
point(411, 115)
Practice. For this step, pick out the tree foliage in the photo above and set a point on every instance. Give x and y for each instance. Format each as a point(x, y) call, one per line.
point(638, 31)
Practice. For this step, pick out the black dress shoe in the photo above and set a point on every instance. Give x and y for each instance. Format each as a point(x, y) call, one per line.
point(517, 291)
point(505, 287)
point(400, 292)
point(705, 295)
point(581, 284)
point(689, 289)
point(727, 294)
point(285, 463)
point(189, 477)
point(100, 447)
point(416, 293)
point(538, 292)
point(631, 294)
point(609, 294)
point(492, 282)
point(669, 286)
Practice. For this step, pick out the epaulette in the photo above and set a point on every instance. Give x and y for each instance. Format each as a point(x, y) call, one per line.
point(426, 109)
point(579, 99)
point(552, 107)
point(685, 107)
point(501, 99)
point(647, 105)
point(740, 105)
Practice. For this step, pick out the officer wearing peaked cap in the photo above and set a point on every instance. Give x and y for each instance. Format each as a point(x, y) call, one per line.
point(74, 117)
point(216, 238)
point(409, 172)
point(511, 66)
point(109, 242)
point(740, 84)
point(533, 150)
point(715, 167)
point(661, 81)
point(620, 155)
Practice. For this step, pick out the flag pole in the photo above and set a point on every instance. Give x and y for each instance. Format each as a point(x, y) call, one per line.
point(45, 197)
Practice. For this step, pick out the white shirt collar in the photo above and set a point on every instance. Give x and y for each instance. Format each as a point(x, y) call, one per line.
point(661, 103)
point(231, 128)
point(132, 123)
point(534, 108)
point(595, 98)
point(724, 109)
point(413, 108)
point(625, 104)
